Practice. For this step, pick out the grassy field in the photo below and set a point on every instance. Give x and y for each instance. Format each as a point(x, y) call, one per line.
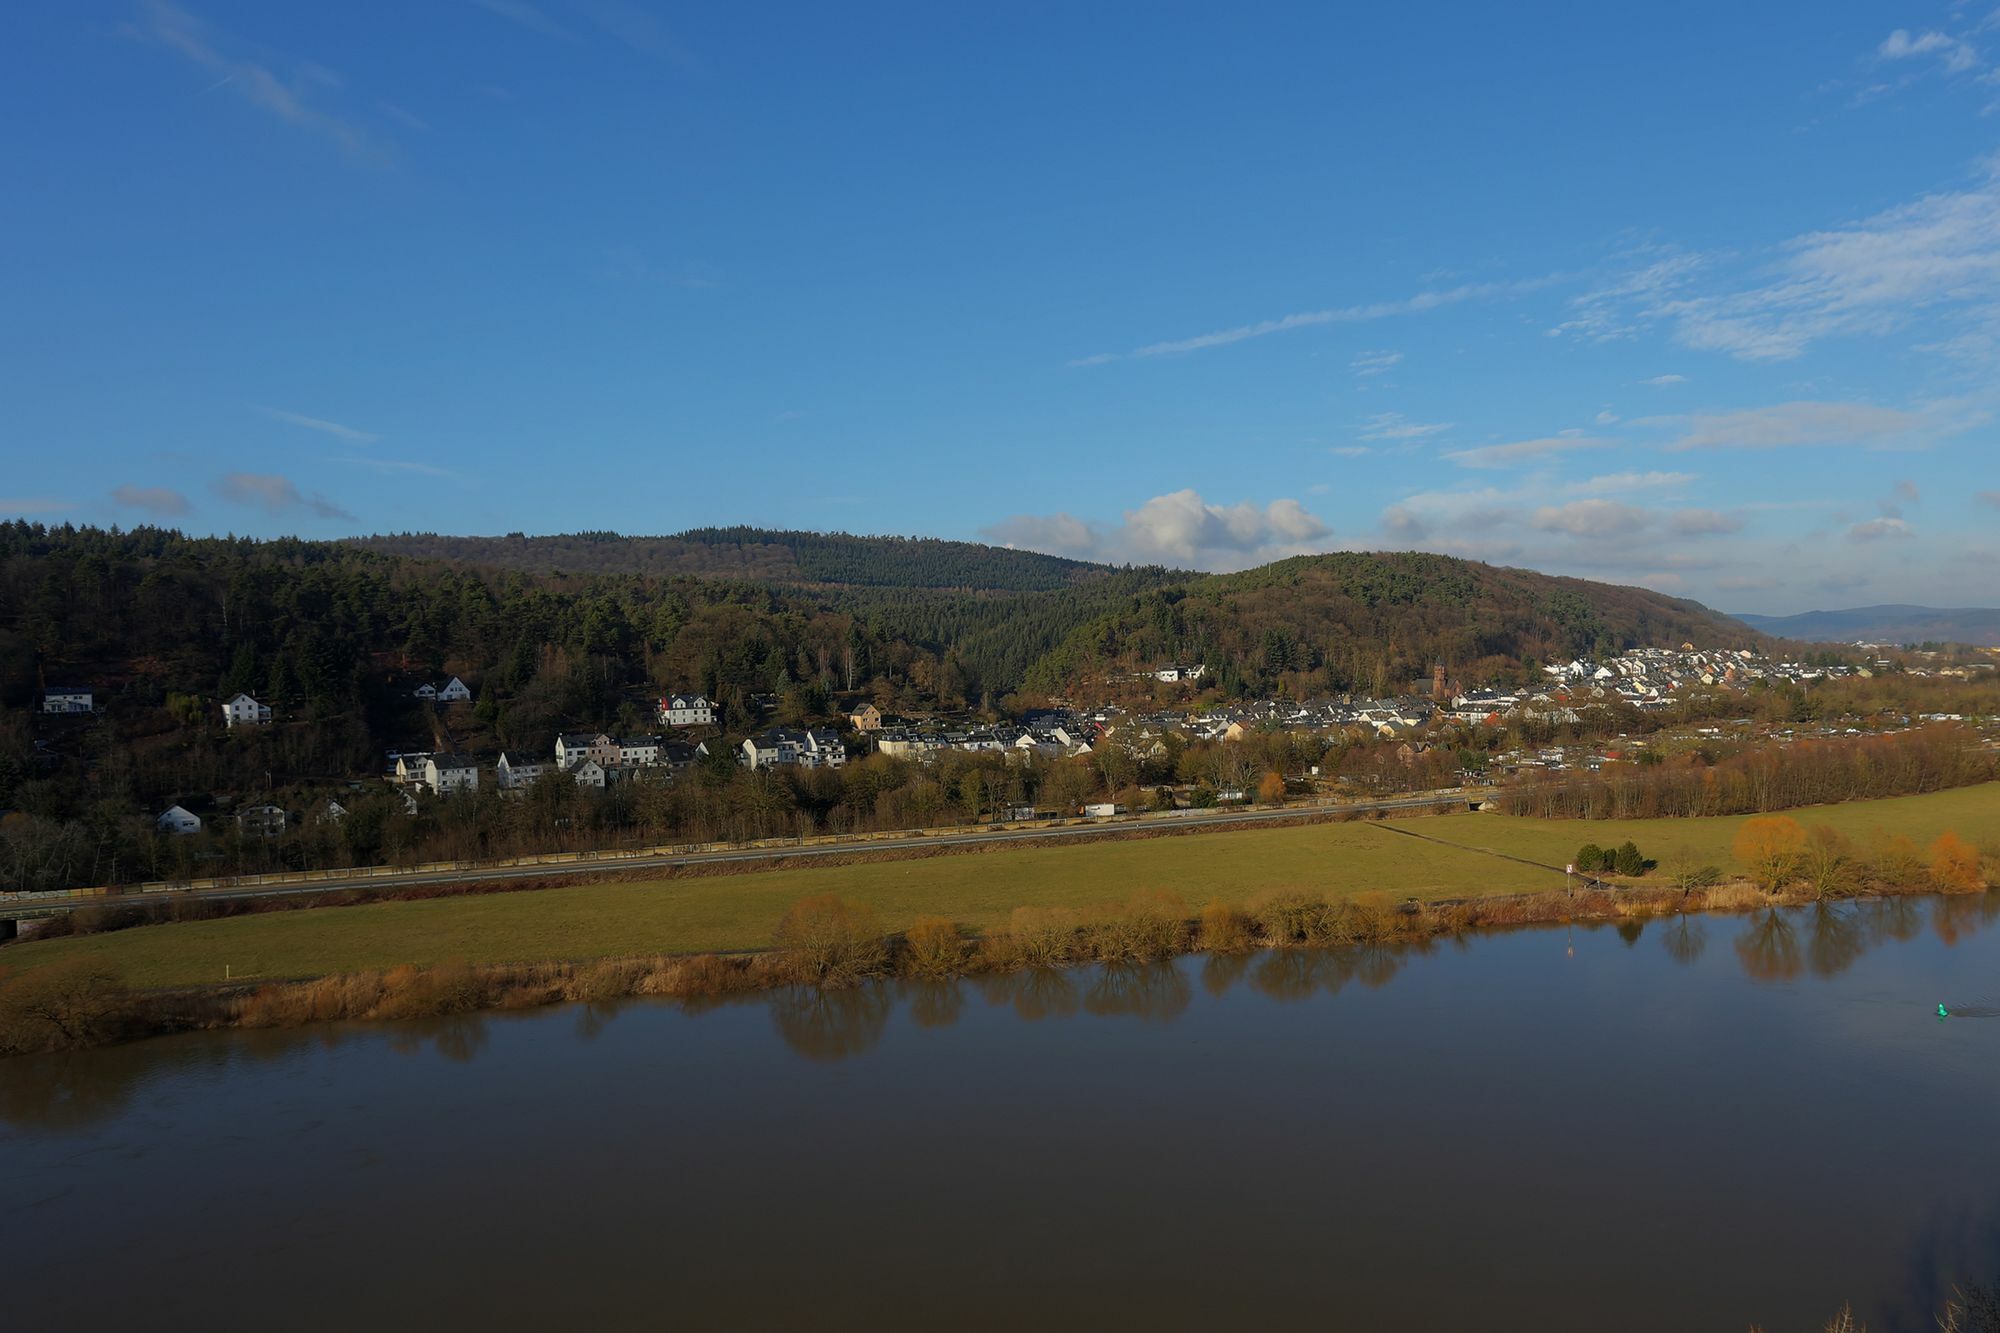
point(739, 911)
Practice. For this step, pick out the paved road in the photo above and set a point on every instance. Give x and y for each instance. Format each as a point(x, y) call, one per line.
point(53, 904)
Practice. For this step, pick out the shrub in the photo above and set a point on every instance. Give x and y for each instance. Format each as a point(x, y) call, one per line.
point(1769, 848)
point(827, 942)
point(933, 947)
point(1896, 863)
point(1149, 925)
point(428, 992)
point(1627, 860)
point(61, 1007)
point(1827, 864)
point(1043, 936)
point(1590, 858)
point(1955, 864)
point(1225, 929)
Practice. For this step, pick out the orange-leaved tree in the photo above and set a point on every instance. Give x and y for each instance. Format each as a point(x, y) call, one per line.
point(1955, 864)
point(1769, 848)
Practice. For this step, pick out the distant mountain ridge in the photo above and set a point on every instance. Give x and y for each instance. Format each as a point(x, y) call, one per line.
point(1979, 626)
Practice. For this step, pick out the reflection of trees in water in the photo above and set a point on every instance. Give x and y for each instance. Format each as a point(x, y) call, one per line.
point(830, 1024)
point(1220, 971)
point(1155, 992)
point(1955, 916)
point(1685, 938)
point(1373, 965)
point(1769, 947)
point(1043, 992)
point(457, 1037)
point(1293, 974)
point(934, 1004)
point(1956, 1250)
point(592, 1019)
point(1630, 929)
point(1887, 919)
point(1835, 937)
point(65, 1092)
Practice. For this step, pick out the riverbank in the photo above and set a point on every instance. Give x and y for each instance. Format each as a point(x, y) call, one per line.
point(825, 942)
point(1459, 856)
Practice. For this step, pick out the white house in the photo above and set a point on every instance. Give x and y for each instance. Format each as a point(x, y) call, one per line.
point(817, 748)
point(1173, 674)
point(513, 772)
point(243, 711)
point(687, 710)
point(590, 773)
point(410, 767)
point(573, 747)
point(428, 693)
point(178, 819)
point(445, 773)
point(639, 751)
point(330, 813)
point(453, 691)
point(262, 821)
point(823, 749)
point(66, 700)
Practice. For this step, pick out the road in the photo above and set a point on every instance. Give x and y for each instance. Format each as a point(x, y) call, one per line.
point(51, 904)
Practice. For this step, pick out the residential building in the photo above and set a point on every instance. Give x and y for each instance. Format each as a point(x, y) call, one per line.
point(866, 718)
point(513, 772)
point(427, 692)
point(639, 751)
point(447, 773)
point(687, 710)
point(262, 821)
point(330, 813)
point(454, 691)
point(573, 747)
point(243, 711)
point(178, 819)
point(67, 700)
point(590, 773)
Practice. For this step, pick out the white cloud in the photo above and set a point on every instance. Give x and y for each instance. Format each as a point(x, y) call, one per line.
point(1523, 451)
point(1661, 381)
point(1349, 450)
point(518, 11)
point(1605, 418)
point(400, 465)
point(1422, 301)
point(1180, 528)
point(1592, 518)
point(333, 428)
point(1880, 529)
point(153, 499)
point(1957, 54)
point(1374, 363)
point(274, 494)
point(1395, 426)
point(1790, 425)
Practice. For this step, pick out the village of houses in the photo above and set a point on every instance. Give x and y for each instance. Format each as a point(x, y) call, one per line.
point(1647, 679)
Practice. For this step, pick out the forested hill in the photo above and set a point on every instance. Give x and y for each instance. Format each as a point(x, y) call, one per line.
point(329, 628)
point(1376, 621)
point(765, 556)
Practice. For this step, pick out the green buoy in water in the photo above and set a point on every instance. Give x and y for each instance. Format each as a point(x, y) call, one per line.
point(1943, 1012)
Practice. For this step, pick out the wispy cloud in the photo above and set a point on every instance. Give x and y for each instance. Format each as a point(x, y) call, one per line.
point(166, 25)
point(1880, 529)
point(275, 495)
point(1706, 522)
point(1422, 301)
point(1956, 54)
point(528, 16)
point(400, 465)
point(1662, 381)
point(1792, 425)
point(637, 27)
point(352, 434)
point(40, 504)
point(1524, 451)
point(153, 499)
point(1396, 426)
point(1374, 363)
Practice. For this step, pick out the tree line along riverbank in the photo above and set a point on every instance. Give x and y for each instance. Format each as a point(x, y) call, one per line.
point(827, 942)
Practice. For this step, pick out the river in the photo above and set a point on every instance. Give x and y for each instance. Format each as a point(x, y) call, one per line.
point(1691, 1125)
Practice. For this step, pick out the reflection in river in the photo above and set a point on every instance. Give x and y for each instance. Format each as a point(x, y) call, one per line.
point(585, 1156)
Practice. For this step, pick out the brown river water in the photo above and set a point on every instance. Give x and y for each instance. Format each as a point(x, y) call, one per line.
point(1691, 1125)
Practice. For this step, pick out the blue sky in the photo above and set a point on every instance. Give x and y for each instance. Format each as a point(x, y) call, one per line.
point(1703, 297)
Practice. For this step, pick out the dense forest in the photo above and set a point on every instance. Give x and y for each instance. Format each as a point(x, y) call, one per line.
point(1374, 622)
point(765, 555)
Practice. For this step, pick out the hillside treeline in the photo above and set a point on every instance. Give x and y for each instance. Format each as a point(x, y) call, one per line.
point(762, 554)
point(1766, 778)
point(1376, 623)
